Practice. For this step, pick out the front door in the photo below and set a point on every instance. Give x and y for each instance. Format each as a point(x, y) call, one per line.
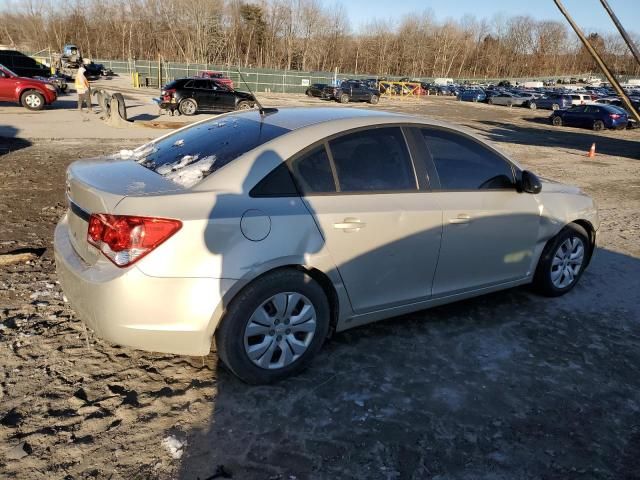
point(7, 86)
point(381, 228)
point(489, 229)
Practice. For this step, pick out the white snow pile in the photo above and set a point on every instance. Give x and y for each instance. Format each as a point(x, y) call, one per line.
point(187, 171)
point(174, 446)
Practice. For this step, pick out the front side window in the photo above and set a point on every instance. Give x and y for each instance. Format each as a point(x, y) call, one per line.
point(465, 164)
point(373, 160)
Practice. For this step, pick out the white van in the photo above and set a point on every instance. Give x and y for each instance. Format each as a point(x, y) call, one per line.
point(581, 99)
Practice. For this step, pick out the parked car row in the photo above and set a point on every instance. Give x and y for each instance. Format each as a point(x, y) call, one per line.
point(347, 91)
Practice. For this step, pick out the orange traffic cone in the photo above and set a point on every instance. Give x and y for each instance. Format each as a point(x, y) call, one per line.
point(592, 151)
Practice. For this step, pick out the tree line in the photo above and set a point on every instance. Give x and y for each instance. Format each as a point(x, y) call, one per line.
point(308, 35)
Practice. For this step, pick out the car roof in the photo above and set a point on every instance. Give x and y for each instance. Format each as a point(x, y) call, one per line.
point(295, 118)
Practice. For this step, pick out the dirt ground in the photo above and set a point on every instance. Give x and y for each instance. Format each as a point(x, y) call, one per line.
point(506, 386)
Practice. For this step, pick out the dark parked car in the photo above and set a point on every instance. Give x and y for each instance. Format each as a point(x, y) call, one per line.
point(193, 95)
point(352, 91)
point(472, 95)
point(315, 90)
point(550, 102)
point(597, 117)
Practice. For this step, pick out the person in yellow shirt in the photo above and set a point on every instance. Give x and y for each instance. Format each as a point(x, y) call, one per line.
point(83, 89)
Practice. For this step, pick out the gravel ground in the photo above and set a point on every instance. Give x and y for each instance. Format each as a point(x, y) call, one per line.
point(506, 386)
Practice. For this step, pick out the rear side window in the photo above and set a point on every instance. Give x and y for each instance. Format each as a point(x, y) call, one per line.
point(464, 164)
point(373, 160)
point(313, 172)
point(188, 156)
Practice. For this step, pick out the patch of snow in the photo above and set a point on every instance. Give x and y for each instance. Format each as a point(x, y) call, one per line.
point(177, 165)
point(174, 446)
point(191, 172)
point(179, 143)
point(136, 187)
point(126, 154)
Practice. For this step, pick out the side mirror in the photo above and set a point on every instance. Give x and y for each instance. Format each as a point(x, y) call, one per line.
point(530, 183)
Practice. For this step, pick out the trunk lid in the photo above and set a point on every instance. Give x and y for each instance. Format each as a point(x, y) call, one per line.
point(97, 186)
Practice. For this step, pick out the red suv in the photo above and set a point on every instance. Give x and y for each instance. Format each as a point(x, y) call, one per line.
point(30, 93)
point(217, 76)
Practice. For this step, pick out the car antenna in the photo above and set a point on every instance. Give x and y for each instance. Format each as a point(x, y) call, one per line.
point(263, 111)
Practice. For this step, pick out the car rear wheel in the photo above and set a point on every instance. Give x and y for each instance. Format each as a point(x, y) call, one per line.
point(490, 101)
point(563, 261)
point(374, 99)
point(243, 105)
point(274, 327)
point(32, 100)
point(532, 105)
point(188, 107)
point(556, 121)
point(344, 98)
point(308, 93)
point(598, 125)
point(555, 107)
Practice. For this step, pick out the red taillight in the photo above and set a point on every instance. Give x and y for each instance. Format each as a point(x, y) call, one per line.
point(125, 239)
point(615, 115)
point(167, 94)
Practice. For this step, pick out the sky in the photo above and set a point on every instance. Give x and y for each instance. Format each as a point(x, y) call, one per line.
point(589, 14)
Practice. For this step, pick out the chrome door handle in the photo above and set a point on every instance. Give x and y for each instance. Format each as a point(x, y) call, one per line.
point(349, 225)
point(460, 219)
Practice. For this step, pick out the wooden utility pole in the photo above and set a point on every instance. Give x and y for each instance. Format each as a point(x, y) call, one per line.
point(612, 79)
point(622, 31)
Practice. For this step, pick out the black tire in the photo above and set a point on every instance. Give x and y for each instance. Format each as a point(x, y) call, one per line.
point(542, 282)
point(490, 101)
point(374, 99)
point(188, 107)
point(556, 121)
point(555, 107)
point(308, 93)
point(598, 125)
point(32, 100)
point(532, 105)
point(244, 105)
point(509, 104)
point(344, 98)
point(229, 337)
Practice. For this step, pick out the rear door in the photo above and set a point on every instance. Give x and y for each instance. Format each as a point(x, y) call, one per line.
point(489, 229)
point(379, 222)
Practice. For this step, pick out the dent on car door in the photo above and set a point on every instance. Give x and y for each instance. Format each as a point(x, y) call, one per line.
point(489, 229)
point(382, 230)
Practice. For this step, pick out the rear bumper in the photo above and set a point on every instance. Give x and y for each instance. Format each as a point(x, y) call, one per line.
point(127, 307)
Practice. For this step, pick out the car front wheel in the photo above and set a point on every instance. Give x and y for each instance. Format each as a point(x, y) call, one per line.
point(32, 100)
point(344, 98)
point(532, 105)
point(274, 327)
point(563, 261)
point(556, 121)
point(374, 99)
point(244, 105)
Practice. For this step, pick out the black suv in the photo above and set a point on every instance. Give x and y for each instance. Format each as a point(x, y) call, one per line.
point(352, 91)
point(193, 95)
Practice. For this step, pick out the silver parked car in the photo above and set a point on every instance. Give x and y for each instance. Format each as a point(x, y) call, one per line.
point(508, 99)
point(266, 233)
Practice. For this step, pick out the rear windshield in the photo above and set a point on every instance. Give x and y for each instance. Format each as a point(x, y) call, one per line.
point(188, 156)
